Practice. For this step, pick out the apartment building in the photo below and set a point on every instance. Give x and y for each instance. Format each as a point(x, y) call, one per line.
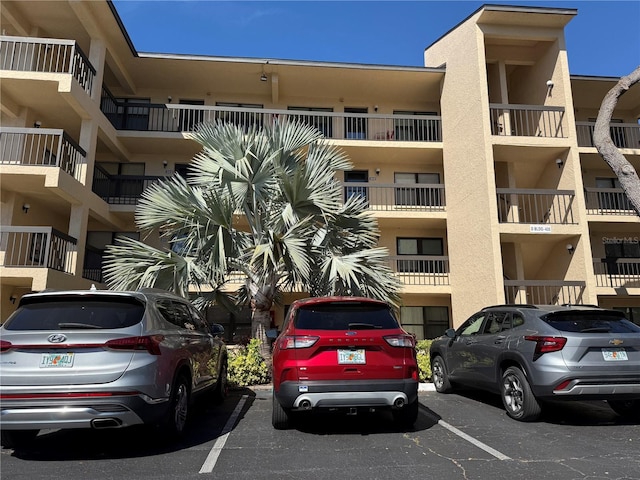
point(479, 166)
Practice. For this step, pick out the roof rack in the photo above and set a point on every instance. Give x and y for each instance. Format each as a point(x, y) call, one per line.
point(512, 305)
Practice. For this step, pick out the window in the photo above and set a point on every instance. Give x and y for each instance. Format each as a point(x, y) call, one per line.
point(614, 251)
point(420, 247)
point(356, 176)
point(425, 322)
point(496, 323)
point(471, 326)
point(243, 119)
point(94, 251)
point(416, 130)
point(131, 114)
point(417, 195)
point(355, 127)
point(324, 123)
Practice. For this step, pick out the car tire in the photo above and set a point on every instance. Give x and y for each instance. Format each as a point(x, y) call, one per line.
point(407, 415)
point(222, 386)
point(175, 419)
point(17, 438)
point(440, 376)
point(517, 396)
point(629, 409)
point(279, 415)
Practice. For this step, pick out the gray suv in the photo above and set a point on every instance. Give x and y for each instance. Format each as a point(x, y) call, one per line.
point(105, 359)
point(530, 353)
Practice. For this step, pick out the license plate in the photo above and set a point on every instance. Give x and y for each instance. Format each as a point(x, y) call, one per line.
point(56, 360)
point(350, 357)
point(614, 354)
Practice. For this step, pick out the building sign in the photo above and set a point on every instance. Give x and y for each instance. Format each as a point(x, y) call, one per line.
point(539, 228)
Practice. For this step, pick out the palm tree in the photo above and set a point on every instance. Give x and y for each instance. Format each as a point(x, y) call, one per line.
point(264, 203)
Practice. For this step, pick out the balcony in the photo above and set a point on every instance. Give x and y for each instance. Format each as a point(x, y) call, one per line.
point(535, 207)
point(617, 272)
point(420, 269)
point(46, 55)
point(623, 135)
point(399, 196)
point(608, 201)
point(148, 117)
point(120, 189)
point(40, 147)
point(527, 121)
point(35, 247)
point(544, 292)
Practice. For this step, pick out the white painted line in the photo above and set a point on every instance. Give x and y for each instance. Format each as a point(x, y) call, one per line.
point(477, 443)
point(212, 458)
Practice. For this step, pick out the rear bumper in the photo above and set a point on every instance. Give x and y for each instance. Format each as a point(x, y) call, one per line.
point(347, 393)
point(592, 388)
point(110, 412)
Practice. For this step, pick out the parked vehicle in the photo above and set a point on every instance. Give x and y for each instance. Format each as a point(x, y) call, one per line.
point(105, 359)
point(343, 353)
point(529, 354)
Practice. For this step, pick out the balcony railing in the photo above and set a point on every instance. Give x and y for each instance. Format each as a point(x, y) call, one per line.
point(398, 196)
point(544, 292)
point(36, 247)
point(40, 147)
point(420, 269)
point(47, 55)
point(608, 201)
point(535, 206)
point(527, 121)
point(120, 189)
point(617, 272)
point(336, 125)
point(623, 135)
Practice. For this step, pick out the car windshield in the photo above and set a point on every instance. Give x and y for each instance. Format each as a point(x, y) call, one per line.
point(345, 316)
point(79, 313)
point(590, 322)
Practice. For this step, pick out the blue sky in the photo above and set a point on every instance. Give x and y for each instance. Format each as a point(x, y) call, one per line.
point(603, 39)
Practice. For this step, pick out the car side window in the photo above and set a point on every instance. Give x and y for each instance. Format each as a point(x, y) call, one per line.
point(496, 322)
point(472, 326)
point(183, 316)
point(517, 320)
point(201, 324)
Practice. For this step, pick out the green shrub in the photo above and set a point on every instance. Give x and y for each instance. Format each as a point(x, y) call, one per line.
point(424, 361)
point(246, 366)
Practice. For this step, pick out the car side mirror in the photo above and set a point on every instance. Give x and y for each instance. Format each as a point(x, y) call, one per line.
point(217, 330)
point(450, 332)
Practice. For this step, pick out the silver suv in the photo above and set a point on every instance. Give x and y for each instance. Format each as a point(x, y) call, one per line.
point(530, 353)
point(105, 359)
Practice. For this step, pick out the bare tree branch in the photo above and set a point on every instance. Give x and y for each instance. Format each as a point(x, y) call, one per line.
point(623, 169)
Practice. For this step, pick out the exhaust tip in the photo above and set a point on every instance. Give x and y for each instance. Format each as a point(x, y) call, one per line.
point(305, 404)
point(102, 423)
point(398, 402)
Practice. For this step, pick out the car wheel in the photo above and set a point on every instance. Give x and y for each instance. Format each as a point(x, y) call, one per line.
point(440, 376)
point(407, 415)
point(222, 385)
point(279, 415)
point(176, 417)
point(517, 396)
point(629, 409)
point(17, 438)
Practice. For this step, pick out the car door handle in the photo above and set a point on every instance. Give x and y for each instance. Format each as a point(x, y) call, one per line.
point(499, 340)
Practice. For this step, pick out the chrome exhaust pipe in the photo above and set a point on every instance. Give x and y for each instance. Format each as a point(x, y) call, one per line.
point(305, 404)
point(398, 402)
point(102, 423)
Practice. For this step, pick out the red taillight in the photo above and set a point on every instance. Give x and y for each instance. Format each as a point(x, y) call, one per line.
point(149, 343)
point(401, 341)
point(297, 341)
point(546, 344)
point(4, 346)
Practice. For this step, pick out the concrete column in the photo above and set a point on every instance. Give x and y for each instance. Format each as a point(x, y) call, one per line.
point(78, 221)
point(97, 54)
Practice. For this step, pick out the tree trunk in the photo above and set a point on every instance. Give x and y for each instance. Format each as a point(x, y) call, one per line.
point(261, 304)
point(623, 169)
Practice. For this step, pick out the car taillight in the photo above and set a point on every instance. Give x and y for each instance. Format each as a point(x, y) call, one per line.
point(4, 346)
point(149, 343)
point(400, 341)
point(297, 341)
point(546, 344)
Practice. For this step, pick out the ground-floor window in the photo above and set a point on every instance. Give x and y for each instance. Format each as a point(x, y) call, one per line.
point(425, 322)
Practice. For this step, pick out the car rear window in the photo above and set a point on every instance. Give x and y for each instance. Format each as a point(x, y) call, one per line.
point(345, 316)
point(590, 322)
point(67, 314)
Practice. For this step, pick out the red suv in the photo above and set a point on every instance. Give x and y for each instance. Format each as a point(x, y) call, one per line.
point(344, 353)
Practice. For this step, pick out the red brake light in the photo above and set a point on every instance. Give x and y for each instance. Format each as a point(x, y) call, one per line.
point(546, 344)
point(149, 343)
point(4, 346)
point(401, 341)
point(297, 341)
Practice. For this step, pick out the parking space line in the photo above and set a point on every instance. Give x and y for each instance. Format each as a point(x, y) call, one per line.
point(470, 439)
point(212, 458)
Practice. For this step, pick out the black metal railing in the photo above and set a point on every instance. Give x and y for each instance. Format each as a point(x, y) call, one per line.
point(37, 247)
point(544, 292)
point(617, 272)
point(527, 121)
point(534, 206)
point(623, 135)
point(608, 201)
point(120, 189)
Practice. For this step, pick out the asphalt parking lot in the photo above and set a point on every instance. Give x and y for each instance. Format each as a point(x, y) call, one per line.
point(457, 436)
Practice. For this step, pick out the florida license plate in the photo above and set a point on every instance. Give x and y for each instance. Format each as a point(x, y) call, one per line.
point(56, 360)
point(614, 354)
point(350, 357)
